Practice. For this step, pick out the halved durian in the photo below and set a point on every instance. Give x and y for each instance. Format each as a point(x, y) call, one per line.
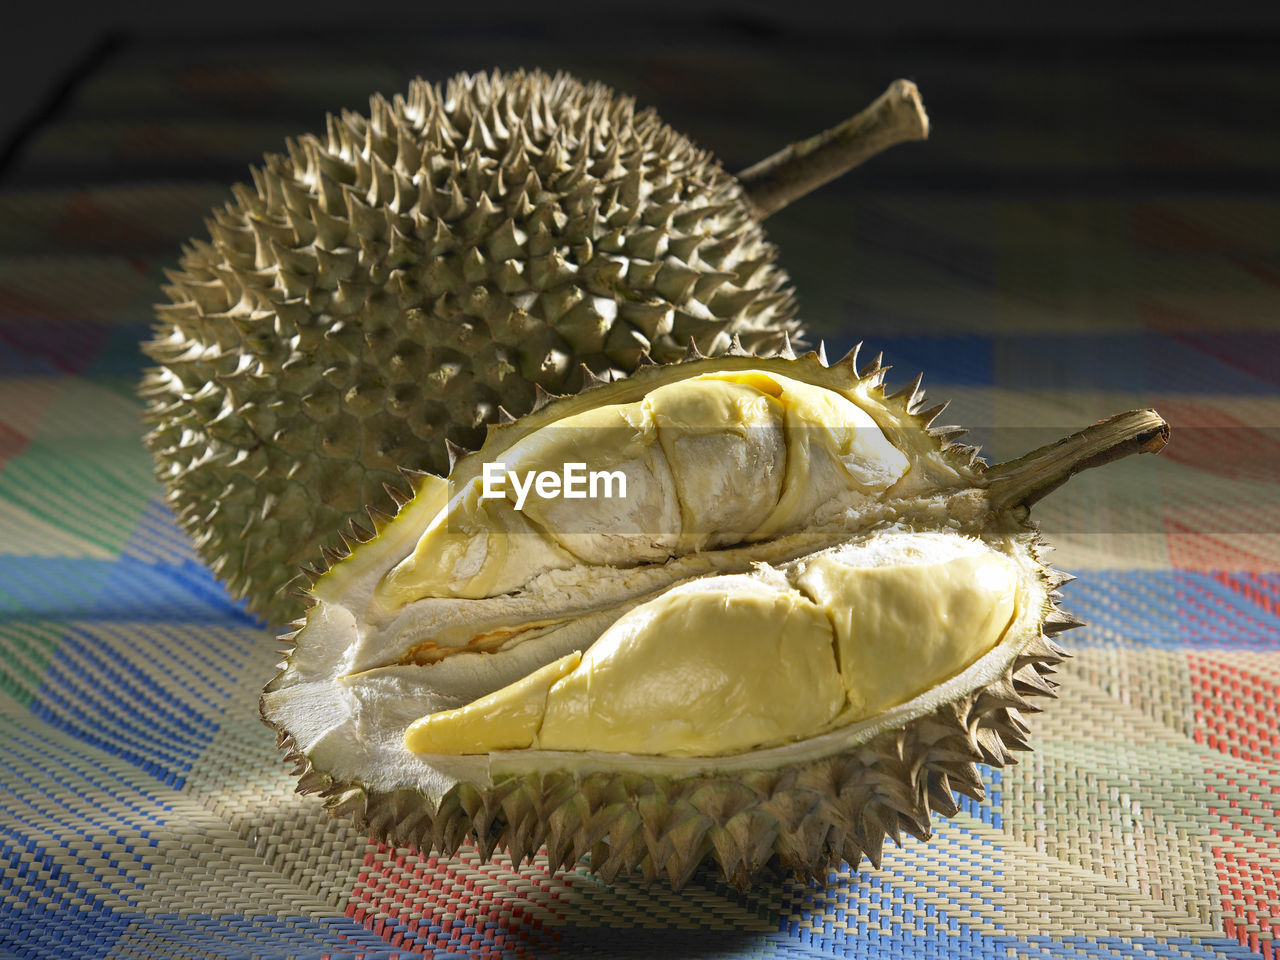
point(809, 618)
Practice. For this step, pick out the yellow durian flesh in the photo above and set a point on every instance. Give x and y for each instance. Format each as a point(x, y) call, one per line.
point(705, 462)
point(904, 626)
point(507, 719)
point(726, 663)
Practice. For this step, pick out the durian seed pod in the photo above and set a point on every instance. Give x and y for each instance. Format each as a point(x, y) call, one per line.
point(808, 619)
point(401, 280)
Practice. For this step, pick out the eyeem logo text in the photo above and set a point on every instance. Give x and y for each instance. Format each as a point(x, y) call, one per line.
point(574, 483)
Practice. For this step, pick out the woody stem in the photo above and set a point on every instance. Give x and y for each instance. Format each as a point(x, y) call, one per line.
point(895, 117)
point(1028, 478)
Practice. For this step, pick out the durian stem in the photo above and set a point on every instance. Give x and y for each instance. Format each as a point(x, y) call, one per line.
point(895, 117)
point(1028, 478)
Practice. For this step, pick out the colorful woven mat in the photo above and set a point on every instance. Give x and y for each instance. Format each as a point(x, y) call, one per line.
point(1092, 228)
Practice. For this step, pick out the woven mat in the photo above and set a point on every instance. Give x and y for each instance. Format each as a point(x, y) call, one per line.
point(1092, 228)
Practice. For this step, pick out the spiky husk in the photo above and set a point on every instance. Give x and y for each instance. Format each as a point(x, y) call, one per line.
point(411, 277)
point(803, 817)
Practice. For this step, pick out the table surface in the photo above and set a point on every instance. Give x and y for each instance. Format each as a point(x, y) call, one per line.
point(1093, 227)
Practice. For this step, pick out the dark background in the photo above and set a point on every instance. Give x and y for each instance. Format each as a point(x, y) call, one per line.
point(49, 46)
point(1083, 157)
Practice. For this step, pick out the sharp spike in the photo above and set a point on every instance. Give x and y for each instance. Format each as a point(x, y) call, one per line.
point(311, 782)
point(1040, 650)
point(941, 797)
point(397, 495)
point(1012, 718)
point(1014, 739)
point(1028, 681)
point(872, 368)
point(589, 379)
point(362, 534)
point(1059, 620)
point(692, 353)
point(541, 397)
point(1058, 578)
point(928, 416)
point(909, 391)
point(505, 416)
point(822, 353)
point(454, 451)
point(993, 747)
point(963, 778)
point(378, 518)
point(646, 361)
point(874, 845)
point(850, 359)
point(788, 352)
point(999, 695)
point(948, 433)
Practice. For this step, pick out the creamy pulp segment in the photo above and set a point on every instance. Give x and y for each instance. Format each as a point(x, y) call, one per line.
point(723, 664)
point(714, 460)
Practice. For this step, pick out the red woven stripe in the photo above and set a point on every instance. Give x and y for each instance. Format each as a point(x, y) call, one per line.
point(1235, 714)
point(1236, 709)
point(396, 885)
point(1209, 553)
point(1250, 891)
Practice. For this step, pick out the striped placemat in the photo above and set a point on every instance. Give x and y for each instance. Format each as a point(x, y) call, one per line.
point(1045, 259)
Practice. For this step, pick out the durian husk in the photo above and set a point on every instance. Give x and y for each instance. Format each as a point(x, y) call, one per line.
point(803, 816)
point(406, 278)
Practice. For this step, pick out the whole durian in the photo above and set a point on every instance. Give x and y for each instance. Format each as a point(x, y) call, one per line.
point(396, 284)
point(739, 609)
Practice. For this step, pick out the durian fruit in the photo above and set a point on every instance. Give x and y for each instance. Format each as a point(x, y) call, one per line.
point(393, 285)
point(745, 610)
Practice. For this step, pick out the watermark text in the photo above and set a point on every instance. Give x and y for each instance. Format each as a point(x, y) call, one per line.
point(575, 482)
